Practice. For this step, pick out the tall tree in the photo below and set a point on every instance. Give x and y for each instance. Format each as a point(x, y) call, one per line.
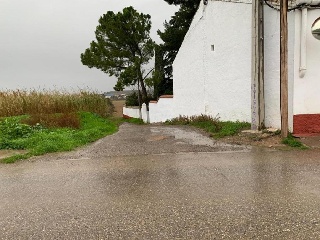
point(172, 37)
point(122, 48)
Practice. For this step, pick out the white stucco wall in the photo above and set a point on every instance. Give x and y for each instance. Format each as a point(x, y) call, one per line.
point(225, 73)
point(306, 89)
point(162, 110)
point(133, 112)
point(188, 70)
point(216, 82)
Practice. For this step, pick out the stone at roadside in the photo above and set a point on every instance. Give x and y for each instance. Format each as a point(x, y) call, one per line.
point(251, 131)
point(272, 130)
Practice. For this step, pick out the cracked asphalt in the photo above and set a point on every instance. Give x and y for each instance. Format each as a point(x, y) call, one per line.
point(162, 182)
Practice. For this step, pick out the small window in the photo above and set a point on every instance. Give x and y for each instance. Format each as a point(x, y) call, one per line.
point(212, 47)
point(316, 29)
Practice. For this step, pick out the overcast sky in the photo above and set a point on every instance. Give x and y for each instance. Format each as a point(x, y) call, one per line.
point(41, 40)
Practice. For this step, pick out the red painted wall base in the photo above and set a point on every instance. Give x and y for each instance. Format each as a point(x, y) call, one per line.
point(126, 116)
point(306, 124)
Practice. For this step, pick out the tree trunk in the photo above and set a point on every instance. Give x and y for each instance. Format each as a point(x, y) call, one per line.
point(143, 90)
point(144, 94)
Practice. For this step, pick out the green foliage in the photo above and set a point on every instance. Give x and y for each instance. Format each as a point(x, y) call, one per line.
point(231, 128)
point(15, 158)
point(122, 47)
point(134, 120)
point(12, 128)
point(132, 99)
point(12, 131)
point(172, 37)
point(293, 142)
point(41, 140)
point(210, 124)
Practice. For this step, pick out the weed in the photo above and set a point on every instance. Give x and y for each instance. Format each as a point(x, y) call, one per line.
point(208, 123)
point(12, 128)
point(293, 142)
point(213, 125)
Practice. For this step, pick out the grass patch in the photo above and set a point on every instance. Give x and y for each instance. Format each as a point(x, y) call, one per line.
point(120, 120)
point(213, 125)
point(15, 158)
point(38, 140)
point(133, 120)
point(232, 128)
point(291, 141)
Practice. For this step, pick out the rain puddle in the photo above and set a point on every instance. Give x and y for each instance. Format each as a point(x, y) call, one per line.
point(187, 136)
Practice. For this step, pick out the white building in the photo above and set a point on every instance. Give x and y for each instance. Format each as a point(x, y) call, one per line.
point(212, 71)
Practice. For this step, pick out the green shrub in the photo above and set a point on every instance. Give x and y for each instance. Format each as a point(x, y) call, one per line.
point(132, 99)
point(11, 128)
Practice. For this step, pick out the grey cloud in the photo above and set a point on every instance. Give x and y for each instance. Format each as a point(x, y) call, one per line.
point(41, 40)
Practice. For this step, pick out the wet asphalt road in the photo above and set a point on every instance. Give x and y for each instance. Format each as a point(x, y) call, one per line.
point(154, 182)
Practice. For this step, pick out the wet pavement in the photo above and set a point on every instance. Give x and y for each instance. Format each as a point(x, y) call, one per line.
point(155, 182)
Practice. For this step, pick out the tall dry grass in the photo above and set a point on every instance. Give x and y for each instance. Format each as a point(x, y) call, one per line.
point(33, 102)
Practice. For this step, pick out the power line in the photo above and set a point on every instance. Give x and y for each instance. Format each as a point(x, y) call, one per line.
point(299, 6)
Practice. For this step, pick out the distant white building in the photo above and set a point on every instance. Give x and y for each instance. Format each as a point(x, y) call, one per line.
point(118, 95)
point(212, 71)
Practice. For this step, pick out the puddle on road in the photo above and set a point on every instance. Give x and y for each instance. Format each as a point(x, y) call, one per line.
point(190, 137)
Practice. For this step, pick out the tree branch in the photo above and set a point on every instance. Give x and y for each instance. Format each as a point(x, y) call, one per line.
point(148, 74)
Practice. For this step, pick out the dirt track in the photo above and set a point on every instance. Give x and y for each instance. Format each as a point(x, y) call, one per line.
point(118, 104)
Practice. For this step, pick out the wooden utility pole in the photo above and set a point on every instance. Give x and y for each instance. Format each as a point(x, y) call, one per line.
point(257, 82)
point(284, 67)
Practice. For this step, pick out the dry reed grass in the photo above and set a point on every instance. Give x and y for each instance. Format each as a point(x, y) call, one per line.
point(70, 120)
point(53, 108)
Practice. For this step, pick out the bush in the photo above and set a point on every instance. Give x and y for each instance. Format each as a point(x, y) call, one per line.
point(12, 128)
point(132, 99)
